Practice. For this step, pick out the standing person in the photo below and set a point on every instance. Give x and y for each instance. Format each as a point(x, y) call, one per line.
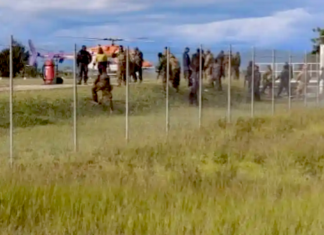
point(102, 60)
point(209, 61)
point(121, 72)
point(175, 71)
point(84, 58)
point(254, 78)
point(236, 65)
point(221, 59)
point(284, 80)
point(267, 80)
point(216, 75)
point(102, 84)
point(196, 69)
point(303, 79)
point(161, 69)
point(186, 65)
point(138, 65)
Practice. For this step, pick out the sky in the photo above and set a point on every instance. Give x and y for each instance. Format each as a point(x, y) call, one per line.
point(214, 24)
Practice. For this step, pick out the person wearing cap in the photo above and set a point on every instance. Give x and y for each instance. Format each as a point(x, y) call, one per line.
point(121, 71)
point(84, 58)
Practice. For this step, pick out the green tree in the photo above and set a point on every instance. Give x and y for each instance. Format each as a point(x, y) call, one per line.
point(20, 59)
point(318, 40)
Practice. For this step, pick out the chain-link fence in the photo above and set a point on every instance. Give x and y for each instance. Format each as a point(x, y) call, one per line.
point(177, 89)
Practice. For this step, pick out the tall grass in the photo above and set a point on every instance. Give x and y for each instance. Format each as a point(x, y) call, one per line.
point(253, 176)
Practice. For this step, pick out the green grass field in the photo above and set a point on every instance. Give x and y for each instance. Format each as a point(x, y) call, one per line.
point(253, 176)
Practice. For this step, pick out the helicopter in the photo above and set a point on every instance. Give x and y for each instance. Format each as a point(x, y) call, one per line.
point(110, 50)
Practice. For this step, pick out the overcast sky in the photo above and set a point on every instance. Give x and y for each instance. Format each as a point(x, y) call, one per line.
point(285, 25)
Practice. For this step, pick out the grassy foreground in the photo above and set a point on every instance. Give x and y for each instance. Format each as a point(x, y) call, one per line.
point(254, 176)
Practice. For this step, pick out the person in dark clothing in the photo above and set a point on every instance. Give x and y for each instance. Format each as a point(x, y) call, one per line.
point(284, 80)
point(84, 58)
point(138, 65)
point(196, 69)
point(186, 65)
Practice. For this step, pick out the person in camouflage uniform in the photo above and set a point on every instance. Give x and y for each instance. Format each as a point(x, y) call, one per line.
point(216, 75)
point(284, 80)
point(303, 79)
point(161, 69)
point(102, 84)
point(254, 78)
point(186, 65)
point(121, 72)
point(209, 61)
point(175, 72)
point(138, 65)
point(267, 80)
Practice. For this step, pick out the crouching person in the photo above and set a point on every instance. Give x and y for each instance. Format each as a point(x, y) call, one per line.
point(102, 84)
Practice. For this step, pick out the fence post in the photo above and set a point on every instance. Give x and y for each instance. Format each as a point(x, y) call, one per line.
point(273, 81)
point(11, 101)
point(229, 101)
point(289, 79)
point(305, 77)
point(167, 116)
point(75, 102)
point(317, 66)
point(200, 85)
point(252, 84)
point(127, 98)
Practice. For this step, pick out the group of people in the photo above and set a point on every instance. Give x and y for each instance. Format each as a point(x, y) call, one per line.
point(102, 82)
point(254, 79)
point(199, 65)
point(210, 67)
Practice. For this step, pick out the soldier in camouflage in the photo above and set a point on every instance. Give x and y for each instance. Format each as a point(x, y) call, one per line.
point(161, 69)
point(121, 72)
point(267, 80)
point(236, 65)
point(209, 61)
point(216, 75)
point(102, 84)
point(175, 72)
point(254, 80)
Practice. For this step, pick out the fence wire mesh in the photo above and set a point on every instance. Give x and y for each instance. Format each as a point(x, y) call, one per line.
point(180, 90)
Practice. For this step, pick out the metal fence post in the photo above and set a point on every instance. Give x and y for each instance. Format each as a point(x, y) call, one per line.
point(229, 101)
point(11, 101)
point(317, 66)
point(127, 98)
point(167, 116)
point(289, 80)
point(252, 84)
point(305, 77)
point(200, 85)
point(75, 102)
point(273, 81)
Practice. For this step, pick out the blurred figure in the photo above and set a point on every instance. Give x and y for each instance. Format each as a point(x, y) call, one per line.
point(102, 83)
point(102, 61)
point(175, 72)
point(303, 79)
point(121, 72)
point(186, 65)
point(161, 69)
point(254, 80)
point(196, 68)
point(221, 59)
point(267, 81)
point(208, 65)
point(248, 74)
point(84, 58)
point(216, 75)
point(138, 65)
point(284, 80)
point(236, 64)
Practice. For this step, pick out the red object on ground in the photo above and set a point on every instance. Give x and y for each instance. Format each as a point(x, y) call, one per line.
point(49, 71)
